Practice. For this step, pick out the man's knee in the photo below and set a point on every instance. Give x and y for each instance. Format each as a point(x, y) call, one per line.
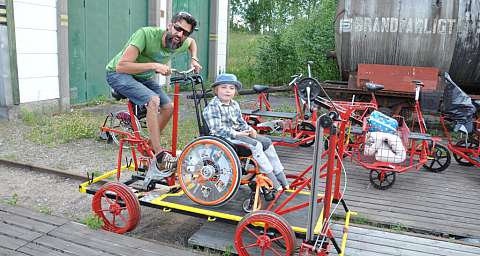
point(153, 103)
point(167, 109)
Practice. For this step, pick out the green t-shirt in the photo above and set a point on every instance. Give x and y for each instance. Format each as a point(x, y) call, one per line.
point(148, 40)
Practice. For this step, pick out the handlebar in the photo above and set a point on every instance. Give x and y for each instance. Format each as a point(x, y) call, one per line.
point(418, 83)
point(294, 79)
point(181, 75)
point(418, 87)
point(176, 71)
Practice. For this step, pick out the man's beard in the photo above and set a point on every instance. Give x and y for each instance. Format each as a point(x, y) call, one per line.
point(170, 43)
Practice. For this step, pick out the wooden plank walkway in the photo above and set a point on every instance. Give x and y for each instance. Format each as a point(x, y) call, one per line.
point(445, 203)
point(361, 242)
point(24, 232)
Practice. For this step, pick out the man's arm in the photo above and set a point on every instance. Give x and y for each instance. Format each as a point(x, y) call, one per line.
point(128, 64)
point(193, 52)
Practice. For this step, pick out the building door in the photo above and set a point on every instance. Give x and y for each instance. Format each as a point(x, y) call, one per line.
point(200, 9)
point(98, 29)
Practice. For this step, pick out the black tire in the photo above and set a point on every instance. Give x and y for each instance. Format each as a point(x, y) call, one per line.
point(305, 126)
point(439, 160)
point(469, 144)
point(382, 180)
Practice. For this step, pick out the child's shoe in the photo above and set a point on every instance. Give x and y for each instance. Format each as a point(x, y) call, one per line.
point(268, 194)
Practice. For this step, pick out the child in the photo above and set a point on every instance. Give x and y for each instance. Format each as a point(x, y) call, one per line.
point(224, 119)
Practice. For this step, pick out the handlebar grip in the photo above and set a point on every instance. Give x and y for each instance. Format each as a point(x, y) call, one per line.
point(418, 82)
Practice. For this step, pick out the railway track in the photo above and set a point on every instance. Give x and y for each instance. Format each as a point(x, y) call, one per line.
point(41, 169)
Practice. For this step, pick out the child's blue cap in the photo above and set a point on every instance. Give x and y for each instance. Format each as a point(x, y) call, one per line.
point(227, 79)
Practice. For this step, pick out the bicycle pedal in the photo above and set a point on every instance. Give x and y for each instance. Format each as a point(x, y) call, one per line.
point(269, 195)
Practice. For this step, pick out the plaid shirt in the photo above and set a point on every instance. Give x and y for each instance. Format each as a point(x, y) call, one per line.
point(224, 120)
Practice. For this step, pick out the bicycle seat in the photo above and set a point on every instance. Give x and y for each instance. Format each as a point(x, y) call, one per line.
point(259, 88)
point(374, 87)
point(117, 95)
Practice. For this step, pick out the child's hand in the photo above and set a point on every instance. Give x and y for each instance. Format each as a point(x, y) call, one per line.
point(253, 133)
point(242, 133)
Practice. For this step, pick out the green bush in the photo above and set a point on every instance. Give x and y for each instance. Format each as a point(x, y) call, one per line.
point(242, 48)
point(285, 53)
point(93, 221)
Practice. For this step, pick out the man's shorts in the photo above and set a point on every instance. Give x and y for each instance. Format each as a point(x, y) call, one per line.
point(138, 90)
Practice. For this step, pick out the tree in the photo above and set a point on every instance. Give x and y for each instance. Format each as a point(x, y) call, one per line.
point(270, 15)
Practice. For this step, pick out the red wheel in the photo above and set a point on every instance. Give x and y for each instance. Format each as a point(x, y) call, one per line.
point(264, 233)
point(382, 179)
point(117, 206)
point(308, 128)
point(209, 171)
point(294, 184)
point(470, 144)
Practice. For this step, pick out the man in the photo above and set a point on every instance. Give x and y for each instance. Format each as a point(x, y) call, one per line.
point(147, 51)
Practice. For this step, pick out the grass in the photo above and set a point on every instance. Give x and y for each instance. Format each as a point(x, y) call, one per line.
point(360, 220)
point(399, 227)
point(12, 200)
point(242, 48)
point(287, 107)
point(93, 222)
point(187, 131)
point(45, 210)
point(61, 128)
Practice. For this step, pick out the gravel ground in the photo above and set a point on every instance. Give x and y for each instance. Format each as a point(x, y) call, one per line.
point(59, 196)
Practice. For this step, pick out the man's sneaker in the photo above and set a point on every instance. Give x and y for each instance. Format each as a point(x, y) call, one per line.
point(165, 161)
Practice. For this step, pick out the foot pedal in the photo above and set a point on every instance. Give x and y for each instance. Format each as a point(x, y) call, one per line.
point(269, 195)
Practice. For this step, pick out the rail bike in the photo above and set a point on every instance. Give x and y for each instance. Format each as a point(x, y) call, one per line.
point(219, 180)
point(400, 149)
point(289, 129)
point(464, 115)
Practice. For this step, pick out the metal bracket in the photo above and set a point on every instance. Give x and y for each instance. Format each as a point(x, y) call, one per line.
point(128, 161)
point(90, 179)
point(153, 173)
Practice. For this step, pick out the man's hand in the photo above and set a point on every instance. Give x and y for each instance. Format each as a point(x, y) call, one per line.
point(162, 69)
point(197, 67)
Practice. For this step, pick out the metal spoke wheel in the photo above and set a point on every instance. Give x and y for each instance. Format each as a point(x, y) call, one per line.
point(248, 204)
point(309, 88)
point(382, 179)
point(264, 233)
point(209, 171)
point(308, 127)
point(117, 206)
point(121, 121)
point(439, 159)
point(468, 145)
point(297, 183)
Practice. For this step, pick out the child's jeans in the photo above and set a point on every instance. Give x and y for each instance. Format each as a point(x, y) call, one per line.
point(266, 156)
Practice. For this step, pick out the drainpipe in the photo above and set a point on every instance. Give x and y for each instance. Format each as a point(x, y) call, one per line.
point(213, 41)
point(7, 81)
point(218, 38)
point(63, 58)
point(159, 14)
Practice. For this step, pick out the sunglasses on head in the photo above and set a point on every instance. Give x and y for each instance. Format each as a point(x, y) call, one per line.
point(180, 29)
